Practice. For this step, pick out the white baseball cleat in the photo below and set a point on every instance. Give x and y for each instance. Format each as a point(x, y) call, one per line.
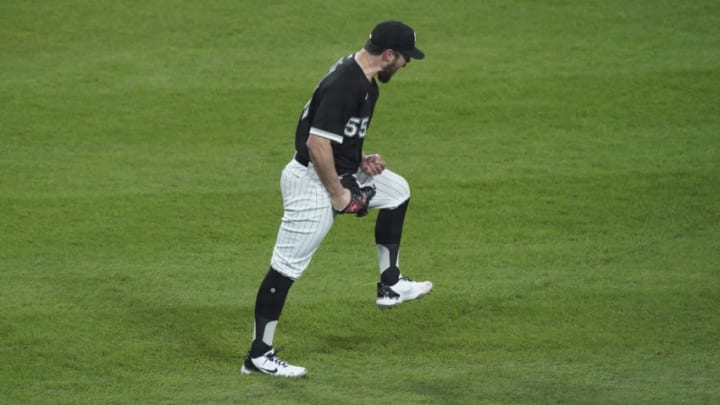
point(405, 289)
point(270, 364)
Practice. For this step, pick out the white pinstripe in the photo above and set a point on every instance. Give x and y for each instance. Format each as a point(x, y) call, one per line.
point(309, 216)
point(391, 189)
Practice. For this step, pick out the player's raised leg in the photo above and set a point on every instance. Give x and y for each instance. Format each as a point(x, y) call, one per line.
point(392, 198)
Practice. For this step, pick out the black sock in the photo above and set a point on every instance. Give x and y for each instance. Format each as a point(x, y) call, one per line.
point(390, 276)
point(268, 306)
point(388, 232)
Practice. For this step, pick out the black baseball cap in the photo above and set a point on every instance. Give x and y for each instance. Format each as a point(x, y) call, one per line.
point(395, 35)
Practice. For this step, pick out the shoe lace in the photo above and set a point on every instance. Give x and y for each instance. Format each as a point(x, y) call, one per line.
point(399, 279)
point(273, 357)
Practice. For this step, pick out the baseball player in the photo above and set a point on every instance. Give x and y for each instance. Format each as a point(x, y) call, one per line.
point(331, 175)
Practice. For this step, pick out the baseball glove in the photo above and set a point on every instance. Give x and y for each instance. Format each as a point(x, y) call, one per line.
point(359, 197)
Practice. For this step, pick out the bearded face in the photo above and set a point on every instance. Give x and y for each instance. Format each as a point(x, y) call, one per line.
point(399, 61)
point(385, 75)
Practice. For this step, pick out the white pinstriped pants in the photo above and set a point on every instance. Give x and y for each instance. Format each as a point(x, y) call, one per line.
point(309, 215)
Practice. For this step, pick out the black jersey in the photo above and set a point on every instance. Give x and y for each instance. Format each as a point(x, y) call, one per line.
point(340, 109)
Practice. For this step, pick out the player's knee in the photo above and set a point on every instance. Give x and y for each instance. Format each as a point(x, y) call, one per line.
point(404, 189)
point(292, 272)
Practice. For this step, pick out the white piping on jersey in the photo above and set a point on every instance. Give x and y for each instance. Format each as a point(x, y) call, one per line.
point(325, 134)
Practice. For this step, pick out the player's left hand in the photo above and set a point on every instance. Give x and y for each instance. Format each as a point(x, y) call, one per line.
point(359, 201)
point(372, 165)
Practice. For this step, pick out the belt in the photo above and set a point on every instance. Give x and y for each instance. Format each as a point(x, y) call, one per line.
point(302, 160)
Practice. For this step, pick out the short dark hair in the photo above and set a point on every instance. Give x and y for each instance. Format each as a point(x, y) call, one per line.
point(372, 48)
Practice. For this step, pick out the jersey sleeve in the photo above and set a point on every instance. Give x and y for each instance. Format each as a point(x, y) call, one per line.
point(334, 107)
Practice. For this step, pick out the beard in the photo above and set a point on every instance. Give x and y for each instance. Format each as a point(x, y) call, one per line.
point(385, 75)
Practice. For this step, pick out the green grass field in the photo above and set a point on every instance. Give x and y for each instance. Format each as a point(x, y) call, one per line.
point(564, 158)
